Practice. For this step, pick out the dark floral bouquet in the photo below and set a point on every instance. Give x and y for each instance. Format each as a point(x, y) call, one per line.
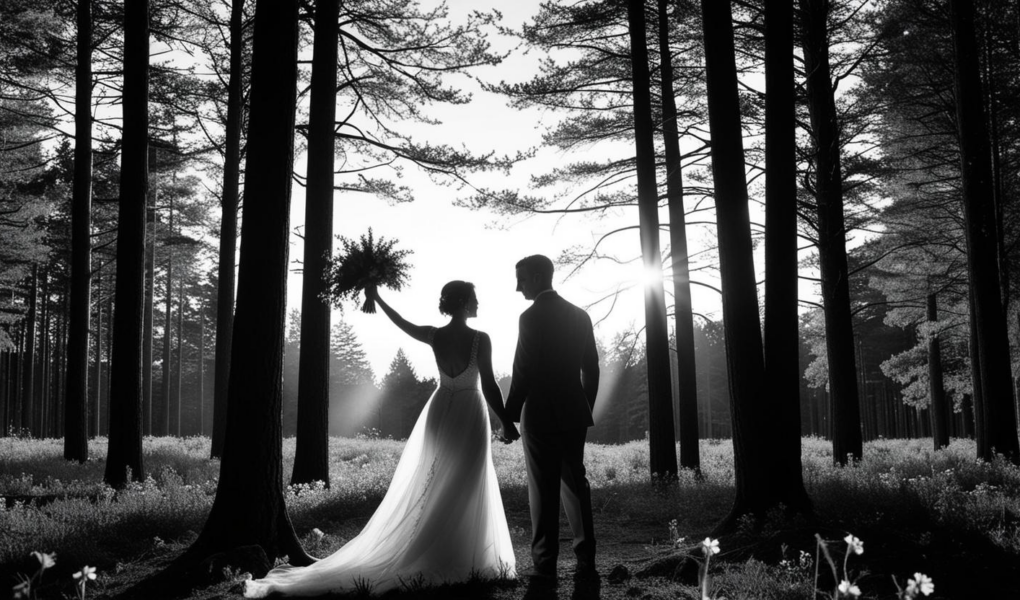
point(365, 263)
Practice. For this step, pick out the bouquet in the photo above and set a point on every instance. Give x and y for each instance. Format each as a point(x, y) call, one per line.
point(362, 264)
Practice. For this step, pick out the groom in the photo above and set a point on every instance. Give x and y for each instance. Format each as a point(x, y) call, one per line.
point(555, 379)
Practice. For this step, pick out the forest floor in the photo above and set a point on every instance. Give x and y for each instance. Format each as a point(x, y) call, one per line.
point(942, 514)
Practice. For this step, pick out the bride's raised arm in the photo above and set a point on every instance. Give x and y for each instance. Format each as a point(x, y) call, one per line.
point(418, 332)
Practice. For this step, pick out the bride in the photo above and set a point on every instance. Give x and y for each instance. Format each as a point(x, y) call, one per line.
point(442, 518)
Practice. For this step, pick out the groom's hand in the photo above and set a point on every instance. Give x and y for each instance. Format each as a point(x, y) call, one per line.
point(509, 434)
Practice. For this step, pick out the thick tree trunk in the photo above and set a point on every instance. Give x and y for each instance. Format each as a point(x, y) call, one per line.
point(745, 365)
point(846, 430)
point(992, 330)
point(125, 450)
point(150, 287)
point(28, 374)
point(311, 458)
point(683, 317)
point(782, 341)
point(939, 411)
point(249, 507)
point(661, 438)
point(228, 230)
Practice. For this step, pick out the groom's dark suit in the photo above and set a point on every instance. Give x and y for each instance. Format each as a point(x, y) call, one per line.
point(555, 380)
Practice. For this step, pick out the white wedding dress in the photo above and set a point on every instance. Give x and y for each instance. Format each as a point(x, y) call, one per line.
point(442, 518)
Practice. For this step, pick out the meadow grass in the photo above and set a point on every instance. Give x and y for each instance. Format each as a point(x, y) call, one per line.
point(902, 499)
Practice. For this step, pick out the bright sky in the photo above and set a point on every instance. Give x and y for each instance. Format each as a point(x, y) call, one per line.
point(455, 243)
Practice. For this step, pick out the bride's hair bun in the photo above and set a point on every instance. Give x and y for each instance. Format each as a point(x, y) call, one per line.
point(455, 296)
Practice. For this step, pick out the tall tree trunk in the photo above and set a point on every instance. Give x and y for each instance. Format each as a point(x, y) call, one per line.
point(846, 430)
point(28, 374)
point(998, 201)
point(782, 340)
point(201, 370)
point(5, 397)
point(167, 408)
point(311, 457)
point(661, 439)
point(228, 230)
point(104, 427)
point(178, 395)
point(683, 317)
point(125, 450)
point(992, 330)
point(43, 397)
point(147, 318)
point(18, 377)
point(249, 507)
point(938, 412)
point(98, 387)
point(61, 409)
point(977, 413)
point(745, 365)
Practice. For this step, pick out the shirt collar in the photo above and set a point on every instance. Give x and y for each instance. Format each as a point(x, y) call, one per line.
point(543, 292)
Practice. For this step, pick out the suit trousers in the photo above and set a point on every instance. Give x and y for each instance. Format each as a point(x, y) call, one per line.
point(555, 467)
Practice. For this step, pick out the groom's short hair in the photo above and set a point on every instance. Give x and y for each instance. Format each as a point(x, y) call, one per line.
point(539, 265)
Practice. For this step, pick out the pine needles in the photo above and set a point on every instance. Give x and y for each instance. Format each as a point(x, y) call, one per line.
point(366, 263)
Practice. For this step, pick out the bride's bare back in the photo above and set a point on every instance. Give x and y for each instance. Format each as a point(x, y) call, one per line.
point(452, 347)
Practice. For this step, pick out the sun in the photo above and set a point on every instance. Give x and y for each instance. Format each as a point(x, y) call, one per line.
point(650, 277)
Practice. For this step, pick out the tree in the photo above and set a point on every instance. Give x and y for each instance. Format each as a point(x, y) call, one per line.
point(125, 450)
point(920, 140)
point(662, 447)
point(746, 369)
point(999, 409)
point(781, 340)
point(311, 457)
point(166, 421)
point(828, 191)
point(403, 396)
point(28, 369)
point(350, 363)
point(938, 411)
point(249, 507)
point(228, 226)
point(687, 384)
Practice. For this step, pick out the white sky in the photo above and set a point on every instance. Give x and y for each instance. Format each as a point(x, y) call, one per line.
point(457, 243)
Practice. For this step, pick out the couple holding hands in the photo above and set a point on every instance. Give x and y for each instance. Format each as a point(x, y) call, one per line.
point(442, 518)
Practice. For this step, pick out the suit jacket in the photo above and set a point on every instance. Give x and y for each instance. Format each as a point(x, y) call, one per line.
point(556, 367)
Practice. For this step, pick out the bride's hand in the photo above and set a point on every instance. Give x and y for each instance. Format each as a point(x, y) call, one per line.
point(510, 433)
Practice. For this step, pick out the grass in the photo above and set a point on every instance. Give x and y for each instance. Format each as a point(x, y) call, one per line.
point(940, 513)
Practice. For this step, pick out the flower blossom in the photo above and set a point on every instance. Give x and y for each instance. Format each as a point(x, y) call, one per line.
point(845, 587)
point(854, 543)
point(45, 560)
point(710, 546)
point(920, 583)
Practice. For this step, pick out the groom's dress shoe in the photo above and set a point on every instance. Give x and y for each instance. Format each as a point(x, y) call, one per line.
point(539, 574)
